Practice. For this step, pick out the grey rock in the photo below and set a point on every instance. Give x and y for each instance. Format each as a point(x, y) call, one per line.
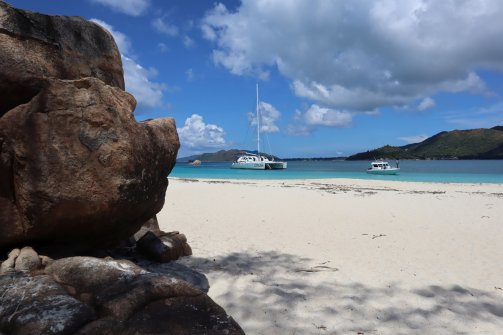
point(86, 295)
point(38, 305)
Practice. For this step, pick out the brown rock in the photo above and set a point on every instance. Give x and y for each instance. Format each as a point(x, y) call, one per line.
point(77, 169)
point(86, 295)
point(176, 316)
point(178, 241)
point(150, 225)
point(34, 46)
point(168, 247)
point(8, 265)
point(152, 247)
point(153, 225)
point(158, 245)
point(90, 274)
point(28, 260)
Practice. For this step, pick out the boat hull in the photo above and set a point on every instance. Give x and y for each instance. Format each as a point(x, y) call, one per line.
point(249, 165)
point(259, 165)
point(384, 171)
point(275, 165)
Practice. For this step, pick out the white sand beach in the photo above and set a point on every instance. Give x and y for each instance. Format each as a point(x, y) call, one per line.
point(346, 256)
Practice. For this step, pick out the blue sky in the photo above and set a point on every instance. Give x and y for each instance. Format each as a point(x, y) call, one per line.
point(335, 77)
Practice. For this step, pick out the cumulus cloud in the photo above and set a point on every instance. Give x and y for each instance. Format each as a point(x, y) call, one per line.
point(298, 127)
point(414, 138)
point(196, 135)
point(164, 27)
point(361, 55)
point(268, 117)
point(319, 116)
point(129, 7)
point(426, 103)
point(140, 84)
point(138, 79)
point(304, 123)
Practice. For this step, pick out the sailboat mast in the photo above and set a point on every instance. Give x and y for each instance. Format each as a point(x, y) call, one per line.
point(258, 126)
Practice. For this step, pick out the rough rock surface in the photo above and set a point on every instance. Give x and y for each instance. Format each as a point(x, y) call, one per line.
point(34, 46)
point(78, 173)
point(158, 245)
point(86, 295)
point(167, 248)
point(76, 166)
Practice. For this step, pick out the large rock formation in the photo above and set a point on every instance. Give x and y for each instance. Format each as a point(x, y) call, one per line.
point(34, 46)
point(77, 171)
point(75, 166)
point(86, 295)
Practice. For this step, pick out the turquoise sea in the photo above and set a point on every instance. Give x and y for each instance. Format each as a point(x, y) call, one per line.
point(447, 171)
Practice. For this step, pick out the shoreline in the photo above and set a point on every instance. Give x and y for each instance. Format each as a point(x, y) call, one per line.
point(332, 180)
point(345, 255)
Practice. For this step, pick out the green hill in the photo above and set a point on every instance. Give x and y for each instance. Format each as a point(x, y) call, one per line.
point(457, 144)
point(388, 152)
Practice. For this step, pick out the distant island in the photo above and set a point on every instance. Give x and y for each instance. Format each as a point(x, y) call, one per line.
point(480, 143)
point(456, 144)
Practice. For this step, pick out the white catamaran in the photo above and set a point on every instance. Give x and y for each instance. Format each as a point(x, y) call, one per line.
point(257, 161)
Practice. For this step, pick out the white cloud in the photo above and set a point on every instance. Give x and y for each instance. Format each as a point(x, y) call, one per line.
point(361, 55)
point(360, 99)
point(196, 135)
point(138, 79)
point(129, 7)
point(319, 116)
point(268, 117)
point(164, 27)
point(298, 127)
point(208, 32)
point(426, 103)
point(414, 138)
point(304, 123)
point(189, 74)
point(163, 47)
point(139, 83)
point(188, 42)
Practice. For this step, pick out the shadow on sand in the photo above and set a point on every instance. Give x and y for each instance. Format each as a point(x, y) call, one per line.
point(276, 293)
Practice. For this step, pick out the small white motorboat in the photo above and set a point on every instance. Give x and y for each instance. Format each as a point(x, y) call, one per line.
point(382, 167)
